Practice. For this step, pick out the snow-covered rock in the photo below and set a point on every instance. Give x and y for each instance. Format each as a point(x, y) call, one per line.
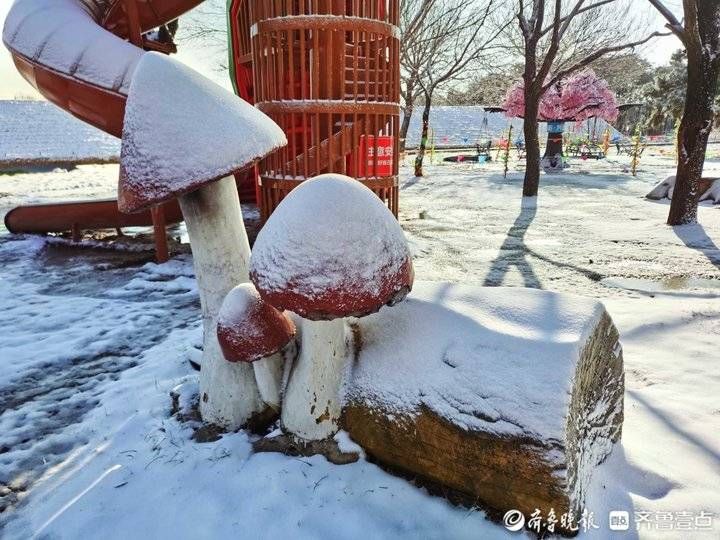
point(709, 189)
point(508, 396)
point(662, 190)
point(712, 193)
point(175, 141)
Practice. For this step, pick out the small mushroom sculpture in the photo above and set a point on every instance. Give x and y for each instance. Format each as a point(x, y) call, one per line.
point(251, 330)
point(183, 137)
point(330, 250)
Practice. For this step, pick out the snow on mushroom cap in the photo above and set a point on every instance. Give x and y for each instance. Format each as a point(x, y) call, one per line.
point(249, 328)
point(181, 131)
point(331, 249)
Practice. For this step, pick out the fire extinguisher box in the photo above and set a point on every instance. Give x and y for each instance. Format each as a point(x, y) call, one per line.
point(374, 157)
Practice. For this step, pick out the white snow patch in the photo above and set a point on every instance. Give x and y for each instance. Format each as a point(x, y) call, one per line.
point(347, 445)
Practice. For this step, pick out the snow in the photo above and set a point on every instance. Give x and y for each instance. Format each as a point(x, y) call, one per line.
point(102, 456)
point(428, 351)
point(37, 132)
point(64, 36)
point(213, 133)
point(663, 189)
point(332, 246)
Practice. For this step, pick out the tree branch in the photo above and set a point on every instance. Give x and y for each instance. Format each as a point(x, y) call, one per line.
point(673, 24)
point(599, 54)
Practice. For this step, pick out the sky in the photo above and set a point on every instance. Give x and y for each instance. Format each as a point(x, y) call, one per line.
point(200, 58)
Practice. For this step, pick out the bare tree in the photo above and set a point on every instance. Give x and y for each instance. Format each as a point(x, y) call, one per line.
point(413, 15)
point(700, 34)
point(452, 37)
point(558, 38)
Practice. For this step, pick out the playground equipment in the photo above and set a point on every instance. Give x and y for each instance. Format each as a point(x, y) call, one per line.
point(102, 214)
point(327, 72)
point(90, 78)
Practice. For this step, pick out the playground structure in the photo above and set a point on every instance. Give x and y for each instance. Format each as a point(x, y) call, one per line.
point(105, 39)
point(327, 72)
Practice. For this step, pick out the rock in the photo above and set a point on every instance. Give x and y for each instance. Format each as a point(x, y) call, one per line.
point(662, 190)
point(709, 189)
point(504, 398)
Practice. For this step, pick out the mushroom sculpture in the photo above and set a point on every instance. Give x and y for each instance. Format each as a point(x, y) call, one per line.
point(184, 136)
point(330, 250)
point(251, 330)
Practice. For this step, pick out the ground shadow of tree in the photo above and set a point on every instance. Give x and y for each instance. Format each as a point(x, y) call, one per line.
point(695, 237)
point(513, 253)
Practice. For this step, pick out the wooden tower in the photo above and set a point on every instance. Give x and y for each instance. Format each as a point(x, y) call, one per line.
point(327, 71)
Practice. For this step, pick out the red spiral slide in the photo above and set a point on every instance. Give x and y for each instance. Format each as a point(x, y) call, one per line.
point(81, 55)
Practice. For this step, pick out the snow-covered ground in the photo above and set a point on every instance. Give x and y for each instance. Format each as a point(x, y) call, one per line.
point(38, 131)
point(92, 344)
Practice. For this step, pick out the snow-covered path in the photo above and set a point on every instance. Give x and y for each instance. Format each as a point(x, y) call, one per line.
point(92, 343)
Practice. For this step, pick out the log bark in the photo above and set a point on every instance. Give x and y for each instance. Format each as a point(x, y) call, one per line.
point(519, 469)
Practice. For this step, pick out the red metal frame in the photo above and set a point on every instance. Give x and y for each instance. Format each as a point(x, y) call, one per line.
point(327, 72)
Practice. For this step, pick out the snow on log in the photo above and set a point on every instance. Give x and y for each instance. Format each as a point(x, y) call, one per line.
point(508, 398)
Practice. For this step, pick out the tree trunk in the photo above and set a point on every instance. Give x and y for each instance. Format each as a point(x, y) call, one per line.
point(229, 396)
point(407, 115)
point(531, 182)
point(424, 136)
point(698, 116)
point(554, 146)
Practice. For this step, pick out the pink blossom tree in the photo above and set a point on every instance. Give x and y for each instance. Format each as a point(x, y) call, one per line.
point(574, 99)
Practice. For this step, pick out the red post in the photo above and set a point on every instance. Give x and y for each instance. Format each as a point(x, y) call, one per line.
point(161, 244)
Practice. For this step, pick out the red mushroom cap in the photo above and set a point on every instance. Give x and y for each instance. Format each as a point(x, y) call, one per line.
point(182, 131)
point(248, 328)
point(331, 249)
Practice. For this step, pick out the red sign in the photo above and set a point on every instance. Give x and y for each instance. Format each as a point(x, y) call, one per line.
point(377, 156)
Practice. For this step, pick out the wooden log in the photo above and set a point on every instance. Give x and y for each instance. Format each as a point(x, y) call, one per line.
point(506, 398)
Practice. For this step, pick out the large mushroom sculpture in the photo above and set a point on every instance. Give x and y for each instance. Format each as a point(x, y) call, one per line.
point(331, 250)
point(184, 137)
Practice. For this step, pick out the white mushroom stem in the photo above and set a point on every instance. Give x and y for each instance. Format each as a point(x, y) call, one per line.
point(311, 404)
point(268, 375)
point(229, 396)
